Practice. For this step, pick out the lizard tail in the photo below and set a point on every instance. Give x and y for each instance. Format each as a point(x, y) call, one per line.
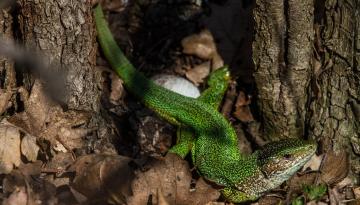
point(111, 50)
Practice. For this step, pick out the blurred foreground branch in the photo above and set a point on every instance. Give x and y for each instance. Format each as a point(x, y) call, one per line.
point(38, 65)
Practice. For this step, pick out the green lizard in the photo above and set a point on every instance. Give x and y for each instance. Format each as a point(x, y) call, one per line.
point(206, 133)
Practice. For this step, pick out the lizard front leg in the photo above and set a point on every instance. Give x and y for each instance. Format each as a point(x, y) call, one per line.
point(185, 141)
point(218, 83)
point(236, 196)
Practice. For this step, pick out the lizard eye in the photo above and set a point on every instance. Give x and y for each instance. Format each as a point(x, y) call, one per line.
point(287, 156)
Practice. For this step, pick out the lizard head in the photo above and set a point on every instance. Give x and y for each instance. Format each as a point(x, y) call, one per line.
point(279, 160)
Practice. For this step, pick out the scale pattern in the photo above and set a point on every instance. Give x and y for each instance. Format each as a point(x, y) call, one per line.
point(215, 152)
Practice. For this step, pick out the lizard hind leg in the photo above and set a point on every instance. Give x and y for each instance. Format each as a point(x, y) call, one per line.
point(236, 196)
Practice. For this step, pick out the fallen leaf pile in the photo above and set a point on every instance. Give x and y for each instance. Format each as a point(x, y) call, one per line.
point(14, 144)
point(9, 148)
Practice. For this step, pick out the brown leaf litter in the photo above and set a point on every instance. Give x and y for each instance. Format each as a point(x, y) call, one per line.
point(202, 45)
point(101, 178)
point(110, 178)
point(242, 108)
point(170, 178)
point(47, 120)
point(198, 73)
point(153, 134)
point(15, 143)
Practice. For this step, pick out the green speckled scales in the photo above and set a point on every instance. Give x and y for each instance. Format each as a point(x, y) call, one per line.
point(215, 152)
point(218, 83)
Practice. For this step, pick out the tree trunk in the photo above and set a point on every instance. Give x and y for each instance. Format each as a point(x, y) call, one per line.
point(65, 32)
point(282, 54)
point(7, 72)
point(307, 72)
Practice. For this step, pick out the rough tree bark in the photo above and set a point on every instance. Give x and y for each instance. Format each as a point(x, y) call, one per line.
point(309, 87)
point(334, 109)
point(65, 32)
point(7, 72)
point(282, 54)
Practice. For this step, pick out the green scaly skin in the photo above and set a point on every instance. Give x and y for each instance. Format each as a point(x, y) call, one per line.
point(209, 136)
point(218, 83)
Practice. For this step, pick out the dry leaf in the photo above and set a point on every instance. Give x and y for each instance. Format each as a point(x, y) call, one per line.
point(172, 178)
point(242, 109)
point(335, 167)
point(203, 193)
point(355, 202)
point(59, 163)
point(154, 135)
point(357, 192)
point(297, 181)
point(217, 62)
point(58, 147)
point(117, 89)
point(335, 197)
point(9, 147)
point(37, 108)
point(355, 141)
point(28, 176)
point(66, 128)
point(5, 97)
point(314, 163)
point(202, 45)
point(321, 203)
point(347, 182)
point(103, 177)
point(269, 200)
point(315, 203)
point(78, 196)
point(22, 177)
point(31, 169)
point(18, 197)
point(198, 73)
point(47, 120)
point(229, 99)
point(161, 199)
point(215, 203)
point(29, 148)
